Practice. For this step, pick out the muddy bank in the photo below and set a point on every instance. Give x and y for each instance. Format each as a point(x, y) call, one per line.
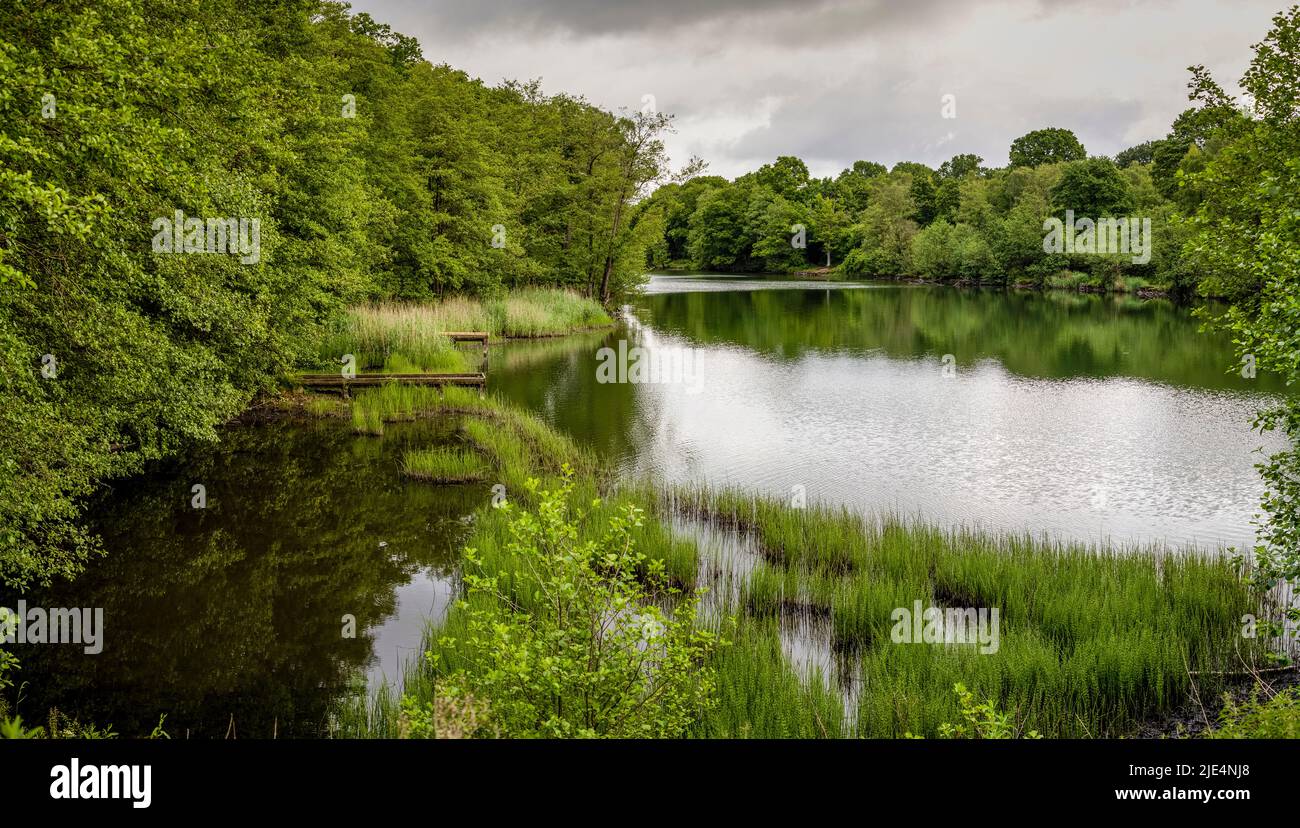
point(1194, 718)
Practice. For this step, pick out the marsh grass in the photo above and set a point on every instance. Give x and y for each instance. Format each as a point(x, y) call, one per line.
point(444, 464)
point(1093, 639)
point(538, 312)
point(322, 405)
point(411, 338)
point(395, 339)
point(761, 696)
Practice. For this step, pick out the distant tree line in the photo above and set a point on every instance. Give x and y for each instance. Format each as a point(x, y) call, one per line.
point(961, 222)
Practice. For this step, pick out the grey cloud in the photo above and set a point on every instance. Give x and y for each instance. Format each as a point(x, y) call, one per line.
point(895, 119)
point(632, 17)
point(833, 81)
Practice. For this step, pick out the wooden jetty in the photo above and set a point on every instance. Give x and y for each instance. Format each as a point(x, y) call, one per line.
point(341, 381)
point(471, 378)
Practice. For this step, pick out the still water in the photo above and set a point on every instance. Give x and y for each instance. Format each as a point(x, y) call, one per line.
point(1068, 415)
point(1072, 416)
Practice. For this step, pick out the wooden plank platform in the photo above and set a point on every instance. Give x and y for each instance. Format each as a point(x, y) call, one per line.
point(473, 378)
point(340, 381)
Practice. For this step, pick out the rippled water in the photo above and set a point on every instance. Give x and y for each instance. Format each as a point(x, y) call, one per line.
point(1076, 416)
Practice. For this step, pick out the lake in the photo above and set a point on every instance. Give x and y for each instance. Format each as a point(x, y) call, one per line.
point(1071, 416)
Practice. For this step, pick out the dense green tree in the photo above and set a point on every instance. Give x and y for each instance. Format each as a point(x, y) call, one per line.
point(1246, 242)
point(1190, 134)
point(883, 236)
point(717, 238)
point(925, 197)
point(1143, 153)
point(851, 185)
point(1046, 146)
point(947, 199)
point(1093, 188)
point(960, 166)
point(787, 177)
point(681, 201)
point(780, 232)
point(933, 254)
point(829, 228)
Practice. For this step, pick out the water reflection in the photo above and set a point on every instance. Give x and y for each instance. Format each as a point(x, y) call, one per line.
point(230, 618)
point(1078, 416)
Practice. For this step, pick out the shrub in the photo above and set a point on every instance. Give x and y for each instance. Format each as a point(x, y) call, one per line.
point(581, 639)
point(1275, 718)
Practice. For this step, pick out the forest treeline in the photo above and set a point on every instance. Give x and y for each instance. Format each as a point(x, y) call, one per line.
point(367, 171)
point(961, 222)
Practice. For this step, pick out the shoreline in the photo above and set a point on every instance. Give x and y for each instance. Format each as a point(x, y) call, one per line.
point(834, 275)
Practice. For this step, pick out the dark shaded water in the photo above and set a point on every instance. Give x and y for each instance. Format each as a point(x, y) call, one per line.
point(1075, 416)
point(234, 613)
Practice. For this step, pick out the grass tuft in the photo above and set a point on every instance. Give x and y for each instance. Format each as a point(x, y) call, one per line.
point(444, 465)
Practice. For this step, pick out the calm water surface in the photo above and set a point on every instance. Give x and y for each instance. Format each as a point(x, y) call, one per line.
point(1073, 416)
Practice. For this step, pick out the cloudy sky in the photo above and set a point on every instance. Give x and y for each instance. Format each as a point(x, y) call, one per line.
point(832, 81)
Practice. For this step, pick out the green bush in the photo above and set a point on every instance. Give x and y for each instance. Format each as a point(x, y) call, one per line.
point(582, 639)
point(1277, 717)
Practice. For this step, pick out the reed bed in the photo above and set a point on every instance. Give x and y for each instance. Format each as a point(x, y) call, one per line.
point(411, 338)
point(1092, 639)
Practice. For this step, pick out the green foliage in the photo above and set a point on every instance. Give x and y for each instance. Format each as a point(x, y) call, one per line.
point(1245, 239)
point(60, 725)
point(1046, 146)
point(884, 233)
point(1277, 717)
point(988, 224)
point(1143, 153)
point(1093, 640)
point(981, 720)
point(960, 166)
point(577, 641)
point(374, 175)
point(1094, 188)
point(443, 465)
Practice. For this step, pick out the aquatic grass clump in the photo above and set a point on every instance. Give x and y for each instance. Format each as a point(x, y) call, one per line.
point(392, 402)
point(444, 465)
point(367, 421)
point(1111, 633)
point(438, 361)
point(761, 696)
point(319, 405)
point(395, 338)
point(537, 312)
